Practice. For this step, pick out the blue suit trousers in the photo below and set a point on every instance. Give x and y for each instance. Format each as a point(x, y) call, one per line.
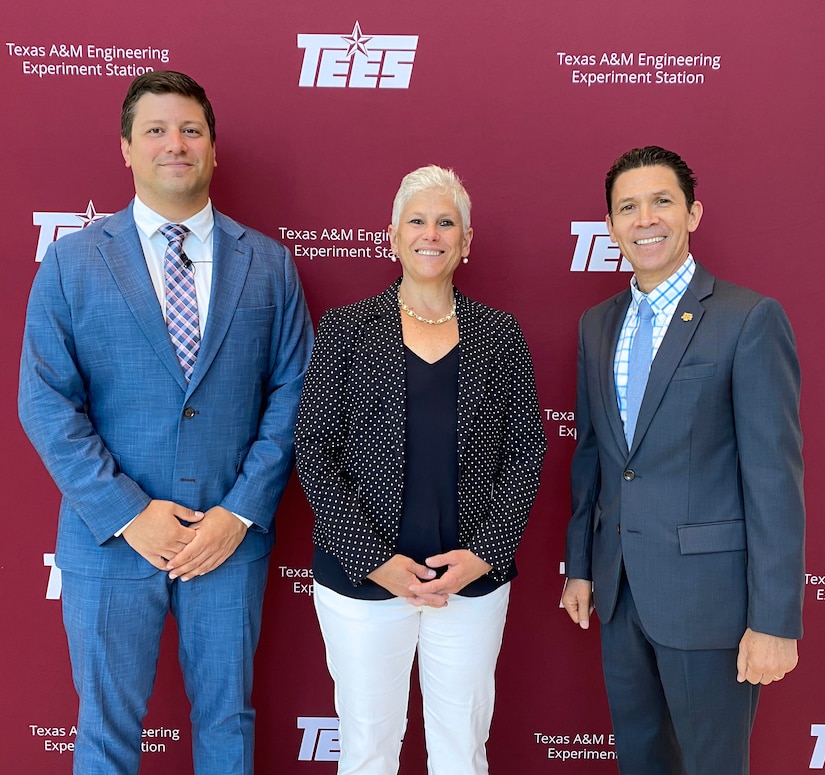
point(114, 628)
point(674, 711)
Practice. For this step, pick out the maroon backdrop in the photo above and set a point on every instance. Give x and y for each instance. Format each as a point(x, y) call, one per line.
point(322, 107)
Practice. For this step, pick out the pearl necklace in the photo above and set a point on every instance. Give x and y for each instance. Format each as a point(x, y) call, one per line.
point(413, 314)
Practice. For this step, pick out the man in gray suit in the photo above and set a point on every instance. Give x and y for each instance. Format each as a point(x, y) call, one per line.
point(688, 515)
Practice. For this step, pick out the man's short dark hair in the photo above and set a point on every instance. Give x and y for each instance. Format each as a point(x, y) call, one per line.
point(163, 82)
point(651, 156)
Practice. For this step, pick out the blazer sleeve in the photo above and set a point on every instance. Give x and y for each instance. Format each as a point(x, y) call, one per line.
point(52, 401)
point(516, 481)
point(321, 436)
point(585, 477)
point(766, 387)
point(268, 463)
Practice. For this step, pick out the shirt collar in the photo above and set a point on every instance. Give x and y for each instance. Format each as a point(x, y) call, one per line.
point(148, 221)
point(666, 293)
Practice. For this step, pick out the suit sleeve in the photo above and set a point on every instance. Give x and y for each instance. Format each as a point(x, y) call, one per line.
point(321, 435)
point(52, 405)
point(765, 386)
point(585, 475)
point(517, 479)
point(268, 463)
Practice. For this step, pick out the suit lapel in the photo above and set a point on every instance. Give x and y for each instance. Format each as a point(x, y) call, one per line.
point(123, 254)
point(473, 368)
point(679, 334)
point(230, 266)
point(607, 378)
point(381, 346)
point(383, 338)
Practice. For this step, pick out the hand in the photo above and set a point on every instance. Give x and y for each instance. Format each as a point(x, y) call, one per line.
point(157, 534)
point(577, 600)
point(764, 658)
point(463, 567)
point(217, 536)
point(399, 573)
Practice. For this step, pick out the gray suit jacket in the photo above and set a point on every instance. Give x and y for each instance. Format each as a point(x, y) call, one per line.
point(706, 510)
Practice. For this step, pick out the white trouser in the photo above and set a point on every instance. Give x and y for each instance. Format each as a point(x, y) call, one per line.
point(370, 648)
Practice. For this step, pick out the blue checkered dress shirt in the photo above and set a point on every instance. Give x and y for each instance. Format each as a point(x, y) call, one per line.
point(663, 300)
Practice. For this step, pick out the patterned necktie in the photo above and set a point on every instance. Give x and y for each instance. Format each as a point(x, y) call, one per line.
point(181, 301)
point(638, 368)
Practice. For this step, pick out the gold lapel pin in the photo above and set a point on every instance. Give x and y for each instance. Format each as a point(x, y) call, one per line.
point(687, 316)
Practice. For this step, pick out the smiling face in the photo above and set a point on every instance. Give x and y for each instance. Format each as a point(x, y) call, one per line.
point(651, 223)
point(430, 240)
point(171, 154)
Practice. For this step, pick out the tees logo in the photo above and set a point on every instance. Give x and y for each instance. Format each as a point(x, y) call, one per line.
point(595, 252)
point(56, 225)
point(55, 585)
point(357, 61)
point(320, 741)
point(818, 756)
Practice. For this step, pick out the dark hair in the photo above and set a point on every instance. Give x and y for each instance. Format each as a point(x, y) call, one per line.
point(651, 156)
point(163, 82)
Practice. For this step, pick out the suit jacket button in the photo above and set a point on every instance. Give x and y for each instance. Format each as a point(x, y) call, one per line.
point(619, 528)
point(629, 475)
point(189, 413)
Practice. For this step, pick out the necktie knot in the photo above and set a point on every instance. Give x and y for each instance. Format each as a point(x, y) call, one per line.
point(645, 310)
point(174, 233)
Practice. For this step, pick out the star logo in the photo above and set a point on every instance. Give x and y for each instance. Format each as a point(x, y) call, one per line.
point(54, 225)
point(90, 216)
point(356, 61)
point(357, 42)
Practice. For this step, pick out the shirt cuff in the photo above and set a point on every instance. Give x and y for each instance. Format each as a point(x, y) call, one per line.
point(247, 522)
point(120, 532)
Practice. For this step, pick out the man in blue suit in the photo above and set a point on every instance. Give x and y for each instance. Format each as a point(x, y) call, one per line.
point(688, 515)
point(159, 383)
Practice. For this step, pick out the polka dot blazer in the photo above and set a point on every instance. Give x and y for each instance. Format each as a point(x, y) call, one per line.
point(349, 438)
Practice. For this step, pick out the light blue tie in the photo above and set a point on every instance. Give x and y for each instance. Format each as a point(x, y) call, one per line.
point(638, 368)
